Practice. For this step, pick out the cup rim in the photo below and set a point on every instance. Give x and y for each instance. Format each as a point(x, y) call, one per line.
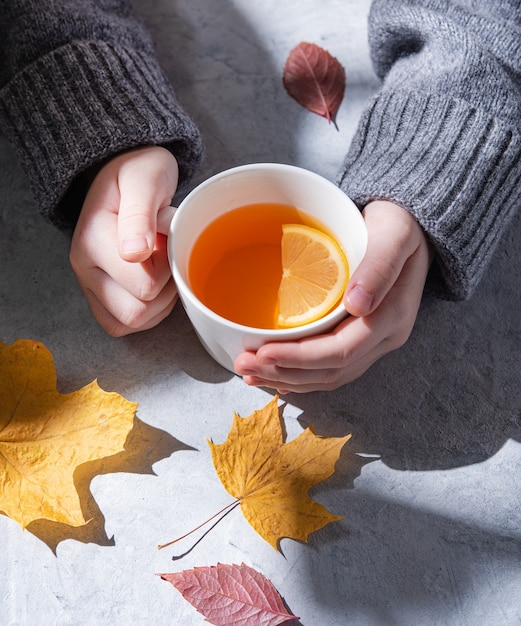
point(332, 318)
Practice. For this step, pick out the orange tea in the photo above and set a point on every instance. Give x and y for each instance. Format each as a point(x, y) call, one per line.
point(235, 265)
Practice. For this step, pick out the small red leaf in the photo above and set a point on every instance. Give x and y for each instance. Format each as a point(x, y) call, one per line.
point(315, 79)
point(229, 595)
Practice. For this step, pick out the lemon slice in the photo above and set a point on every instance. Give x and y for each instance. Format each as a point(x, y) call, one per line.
point(314, 275)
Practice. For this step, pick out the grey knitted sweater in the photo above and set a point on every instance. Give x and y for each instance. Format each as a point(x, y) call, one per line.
point(79, 82)
point(442, 138)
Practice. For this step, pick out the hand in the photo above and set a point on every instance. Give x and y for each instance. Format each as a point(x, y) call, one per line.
point(383, 297)
point(118, 256)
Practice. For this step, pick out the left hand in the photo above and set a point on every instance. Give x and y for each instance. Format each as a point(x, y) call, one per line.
point(118, 255)
point(383, 297)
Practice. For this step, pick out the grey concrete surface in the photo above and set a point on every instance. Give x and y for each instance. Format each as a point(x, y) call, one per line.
point(429, 484)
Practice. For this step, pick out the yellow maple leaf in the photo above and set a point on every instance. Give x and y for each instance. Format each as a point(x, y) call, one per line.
point(271, 478)
point(45, 435)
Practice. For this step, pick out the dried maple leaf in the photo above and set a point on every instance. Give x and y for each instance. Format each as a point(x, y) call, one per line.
point(315, 79)
point(231, 594)
point(271, 478)
point(45, 435)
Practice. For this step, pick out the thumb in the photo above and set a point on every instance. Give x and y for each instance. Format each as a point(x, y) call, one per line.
point(147, 180)
point(136, 231)
point(390, 242)
point(164, 218)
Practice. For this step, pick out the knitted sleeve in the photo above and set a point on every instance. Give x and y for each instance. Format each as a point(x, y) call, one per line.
point(442, 136)
point(79, 82)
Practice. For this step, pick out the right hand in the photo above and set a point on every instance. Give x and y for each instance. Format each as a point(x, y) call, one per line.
point(383, 297)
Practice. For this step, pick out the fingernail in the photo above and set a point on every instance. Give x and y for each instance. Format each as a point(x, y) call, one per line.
point(133, 245)
point(254, 382)
point(359, 299)
point(268, 360)
point(248, 372)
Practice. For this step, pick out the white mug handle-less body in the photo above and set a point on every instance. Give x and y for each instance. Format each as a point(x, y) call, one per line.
point(310, 193)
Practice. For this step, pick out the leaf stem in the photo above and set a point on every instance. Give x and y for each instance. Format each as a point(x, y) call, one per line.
point(224, 510)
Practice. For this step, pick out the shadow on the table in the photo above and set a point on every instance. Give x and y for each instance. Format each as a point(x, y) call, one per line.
point(452, 395)
point(226, 79)
point(145, 445)
point(408, 566)
point(449, 398)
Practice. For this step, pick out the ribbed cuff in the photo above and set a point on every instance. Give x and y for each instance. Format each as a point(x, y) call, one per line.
point(83, 103)
point(453, 167)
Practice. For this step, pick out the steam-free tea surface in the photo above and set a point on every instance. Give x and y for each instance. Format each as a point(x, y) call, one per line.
point(235, 266)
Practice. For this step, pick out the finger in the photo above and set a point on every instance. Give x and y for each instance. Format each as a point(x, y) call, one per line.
point(316, 363)
point(347, 343)
point(114, 327)
point(164, 218)
point(118, 311)
point(393, 236)
point(303, 381)
point(299, 382)
point(142, 280)
point(146, 184)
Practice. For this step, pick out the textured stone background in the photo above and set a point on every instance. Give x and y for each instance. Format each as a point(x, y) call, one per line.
point(432, 502)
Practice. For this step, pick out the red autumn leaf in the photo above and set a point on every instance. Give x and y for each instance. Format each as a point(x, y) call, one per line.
point(229, 595)
point(315, 79)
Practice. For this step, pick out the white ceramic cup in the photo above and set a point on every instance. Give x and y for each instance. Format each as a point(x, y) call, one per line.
point(249, 184)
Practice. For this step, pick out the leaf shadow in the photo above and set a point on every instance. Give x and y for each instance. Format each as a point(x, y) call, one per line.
point(347, 469)
point(145, 445)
